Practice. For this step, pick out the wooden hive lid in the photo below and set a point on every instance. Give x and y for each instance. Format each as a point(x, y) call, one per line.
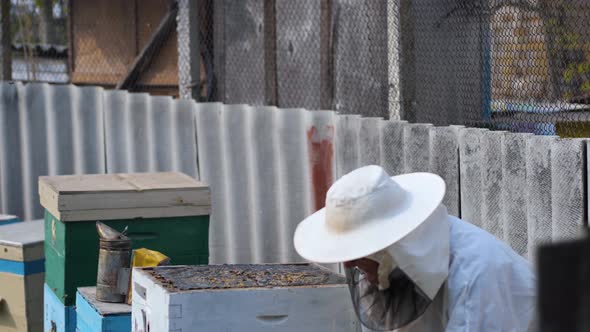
point(123, 196)
point(22, 241)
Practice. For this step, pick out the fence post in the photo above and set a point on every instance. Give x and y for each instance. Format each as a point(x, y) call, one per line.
point(5, 42)
point(189, 57)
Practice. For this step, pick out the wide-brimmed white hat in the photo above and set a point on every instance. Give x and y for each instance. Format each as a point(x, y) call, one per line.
point(367, 211)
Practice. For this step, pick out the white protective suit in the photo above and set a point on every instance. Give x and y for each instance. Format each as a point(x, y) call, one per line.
point(472, 280)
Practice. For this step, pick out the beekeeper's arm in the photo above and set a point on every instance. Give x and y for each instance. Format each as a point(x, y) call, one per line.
point(484, 298)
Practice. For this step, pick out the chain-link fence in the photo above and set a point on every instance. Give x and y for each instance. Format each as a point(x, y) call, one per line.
point(130, 44)
point(518, 65)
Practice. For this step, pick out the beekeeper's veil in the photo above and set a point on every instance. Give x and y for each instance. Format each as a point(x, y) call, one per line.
point(398, 222)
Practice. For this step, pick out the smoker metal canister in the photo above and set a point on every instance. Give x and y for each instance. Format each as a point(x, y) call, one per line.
point(114, 257)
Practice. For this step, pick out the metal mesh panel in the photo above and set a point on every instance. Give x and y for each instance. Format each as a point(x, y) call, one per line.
point(516, 65)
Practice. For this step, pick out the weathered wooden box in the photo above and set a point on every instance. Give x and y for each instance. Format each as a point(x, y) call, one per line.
point(95, 316)
point(57, 316)
point(297, 297)
point(166, 212)
point(21, 276)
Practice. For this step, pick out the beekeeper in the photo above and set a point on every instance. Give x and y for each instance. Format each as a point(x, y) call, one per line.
point(411, 266)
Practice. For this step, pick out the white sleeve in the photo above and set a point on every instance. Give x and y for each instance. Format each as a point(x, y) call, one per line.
point(488, 298)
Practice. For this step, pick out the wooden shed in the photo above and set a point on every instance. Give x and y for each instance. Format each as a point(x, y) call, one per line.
point(108, 38)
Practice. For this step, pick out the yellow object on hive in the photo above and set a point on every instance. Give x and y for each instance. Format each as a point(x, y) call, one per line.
point(145, 258)
point(148, 258)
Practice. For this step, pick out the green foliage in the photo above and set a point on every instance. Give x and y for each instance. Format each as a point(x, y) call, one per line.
point(576, 74)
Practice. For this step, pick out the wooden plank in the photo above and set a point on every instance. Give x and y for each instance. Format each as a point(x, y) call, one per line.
point(298, 53)
point(95, 49)
point(244, 76)
point(143, 212)
point(121, 182)
point(150, 49)
point(360, 57)
point(444, 75)
point(163, 69)
point(121, 191)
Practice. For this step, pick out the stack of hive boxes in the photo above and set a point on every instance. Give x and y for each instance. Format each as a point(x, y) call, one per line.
point(166, 212)
point(21, 276)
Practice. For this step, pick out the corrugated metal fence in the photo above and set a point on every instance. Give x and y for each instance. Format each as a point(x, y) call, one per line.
point(52, 130)
point(268, 168)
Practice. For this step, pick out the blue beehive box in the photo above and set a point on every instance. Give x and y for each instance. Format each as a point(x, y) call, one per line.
point(6, 219)
point(58, 317)
point(96, 316)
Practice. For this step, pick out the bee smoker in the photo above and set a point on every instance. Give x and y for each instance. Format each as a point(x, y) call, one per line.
point(113, 265)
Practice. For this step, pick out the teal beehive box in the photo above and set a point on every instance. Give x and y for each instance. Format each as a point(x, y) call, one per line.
point(167, 212)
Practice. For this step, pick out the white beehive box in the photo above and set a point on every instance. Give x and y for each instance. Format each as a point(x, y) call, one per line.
point(297, 297)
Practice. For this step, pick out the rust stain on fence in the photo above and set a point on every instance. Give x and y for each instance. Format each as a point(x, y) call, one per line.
point(321, 159)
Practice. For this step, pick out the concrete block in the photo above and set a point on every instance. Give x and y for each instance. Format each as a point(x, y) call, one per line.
point(538, 189)
point(444, 161)
point(417, 147)
point(470, 156)
point(514, 193)
point(491, 184)
point(568, 187)
point(392, 146)
point(369, 141)
point(347, 143)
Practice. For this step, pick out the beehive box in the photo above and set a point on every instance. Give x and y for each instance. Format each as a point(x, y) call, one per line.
point(167, 212)
point(225, 298)
point(95, 316)
point(57, 316)
point(6, 219)
point(21, 276)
